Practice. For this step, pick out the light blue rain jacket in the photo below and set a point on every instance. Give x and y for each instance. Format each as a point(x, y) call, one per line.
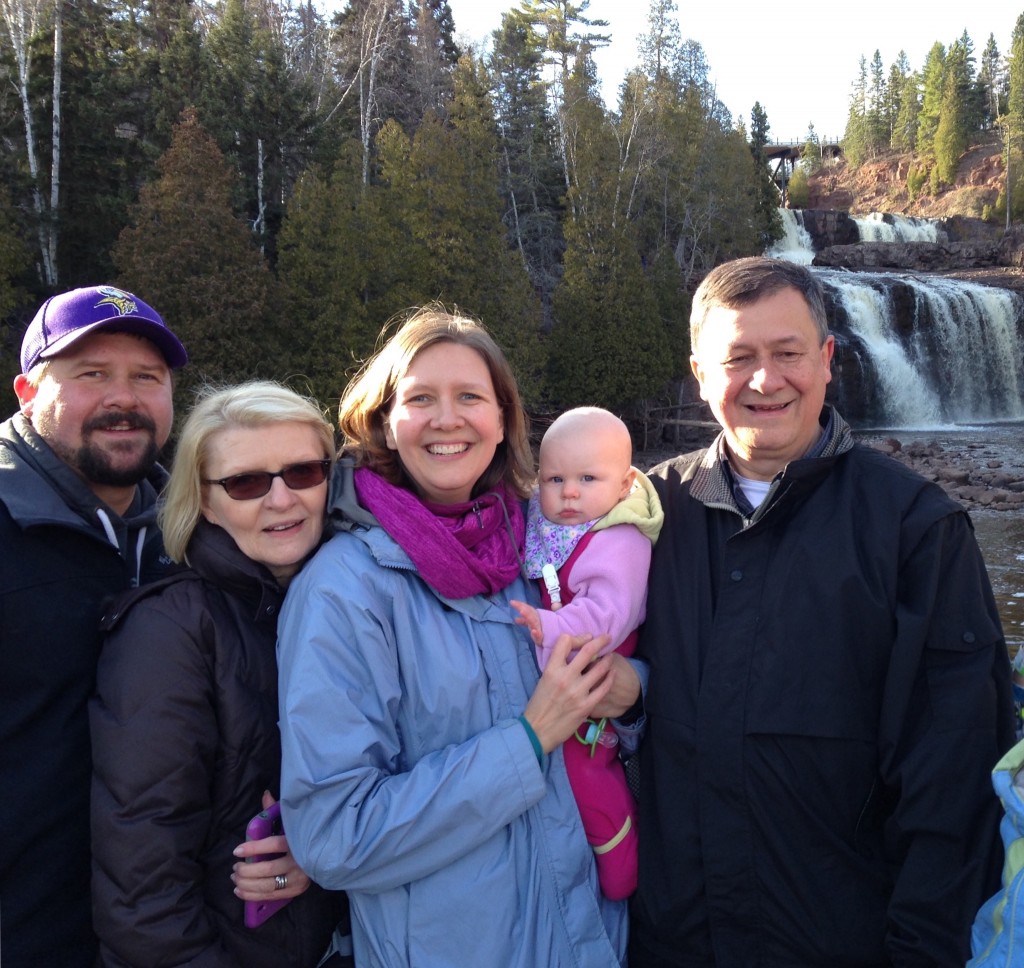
point(409, 782)
point(997, 938)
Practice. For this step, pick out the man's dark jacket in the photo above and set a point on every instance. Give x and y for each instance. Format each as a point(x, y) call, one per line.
point(829, 691)
point(58, 568)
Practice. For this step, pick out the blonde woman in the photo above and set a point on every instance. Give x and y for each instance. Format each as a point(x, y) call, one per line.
point(184, 724)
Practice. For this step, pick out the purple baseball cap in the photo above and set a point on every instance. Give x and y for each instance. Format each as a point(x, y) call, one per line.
point(65, 318)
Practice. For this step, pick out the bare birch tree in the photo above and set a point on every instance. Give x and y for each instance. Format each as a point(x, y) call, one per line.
point(23, 20)
point(375, 41)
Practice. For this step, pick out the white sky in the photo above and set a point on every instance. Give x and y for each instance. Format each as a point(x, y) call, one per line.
point(799, 59)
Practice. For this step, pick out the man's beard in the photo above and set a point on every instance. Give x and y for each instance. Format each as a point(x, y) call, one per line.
point(96, 466)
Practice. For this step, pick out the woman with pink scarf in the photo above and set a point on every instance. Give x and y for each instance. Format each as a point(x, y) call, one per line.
point(422, 766)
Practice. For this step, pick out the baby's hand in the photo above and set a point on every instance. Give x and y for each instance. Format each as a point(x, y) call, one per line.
point(530, 617)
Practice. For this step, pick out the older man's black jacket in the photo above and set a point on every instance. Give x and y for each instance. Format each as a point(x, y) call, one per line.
point(829, 692)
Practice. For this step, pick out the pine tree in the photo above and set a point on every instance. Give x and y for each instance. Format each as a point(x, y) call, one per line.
point(798, 190)
point(900, 76)
point(326, 255)
point(876, 120)
point(1015, 96)
point(767, 205)
point(109, 134)
point(259, 112)
point(989, 83)
point(609, 342)
point(489, 277)
point(173, 64)
point(23, 20)
point(810, 155)
point(967, 81)
point(185, 252)
point(372, 44)
point(440, 208)
point(660, 48)
point(15, 265)
point(934, 85)
point(857, 137)
point(951, 134)
point(568, 30)
point(1013, 126)
point(905, 133)
point(432, 57)
point(531, 178)
point(609, 346)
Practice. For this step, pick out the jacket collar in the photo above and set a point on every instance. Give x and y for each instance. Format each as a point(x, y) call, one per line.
point(214, 556)
point(38, 488)
point(712, 482)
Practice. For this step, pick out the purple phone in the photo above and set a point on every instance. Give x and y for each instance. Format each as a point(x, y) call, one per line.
point(267, 823)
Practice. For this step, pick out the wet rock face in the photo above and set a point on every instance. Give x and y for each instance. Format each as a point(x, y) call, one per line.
point(915, 256)
point(827, 228)
point(968, 244)
point(1011, 248)
point(970, 476)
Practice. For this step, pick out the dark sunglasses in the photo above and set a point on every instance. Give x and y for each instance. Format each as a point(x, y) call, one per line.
point(254, 484)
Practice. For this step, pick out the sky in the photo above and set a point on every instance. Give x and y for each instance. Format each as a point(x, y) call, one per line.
point(798, 59)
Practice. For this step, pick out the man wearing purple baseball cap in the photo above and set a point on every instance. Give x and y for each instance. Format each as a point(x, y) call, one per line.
point(79, 480)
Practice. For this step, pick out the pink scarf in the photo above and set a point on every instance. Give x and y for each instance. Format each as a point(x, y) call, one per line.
point(459, 549)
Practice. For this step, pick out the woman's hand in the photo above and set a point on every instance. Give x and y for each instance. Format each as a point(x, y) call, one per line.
point(260, 880)
point(624, 691)
point(570, 689)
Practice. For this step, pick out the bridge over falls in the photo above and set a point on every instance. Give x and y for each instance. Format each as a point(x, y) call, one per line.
point(783, 156)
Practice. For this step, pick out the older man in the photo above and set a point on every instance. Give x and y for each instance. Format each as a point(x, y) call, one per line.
point(829, 683)
point(78, 487)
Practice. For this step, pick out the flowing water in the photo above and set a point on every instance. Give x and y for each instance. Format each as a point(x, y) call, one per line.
point(879, 227)
point(927, 351)
point(796, 244)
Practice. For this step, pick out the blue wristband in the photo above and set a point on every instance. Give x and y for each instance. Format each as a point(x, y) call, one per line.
point(534, 742)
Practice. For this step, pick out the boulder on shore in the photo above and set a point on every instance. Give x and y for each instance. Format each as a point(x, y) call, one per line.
point(973, 479)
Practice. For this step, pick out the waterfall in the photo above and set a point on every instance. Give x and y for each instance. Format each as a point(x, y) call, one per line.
point(915, 351)
point(801, 240)
point(796, 244)
point(879, 227)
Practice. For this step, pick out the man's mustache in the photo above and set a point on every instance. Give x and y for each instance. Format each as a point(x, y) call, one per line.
point(107, 421)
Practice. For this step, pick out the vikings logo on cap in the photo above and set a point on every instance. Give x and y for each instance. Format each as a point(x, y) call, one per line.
point(123, 302)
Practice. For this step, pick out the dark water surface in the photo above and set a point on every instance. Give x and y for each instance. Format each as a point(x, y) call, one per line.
point(1001, 536)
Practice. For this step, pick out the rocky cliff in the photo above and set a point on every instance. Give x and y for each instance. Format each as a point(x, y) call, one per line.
point(880, 185)
point(973, 248)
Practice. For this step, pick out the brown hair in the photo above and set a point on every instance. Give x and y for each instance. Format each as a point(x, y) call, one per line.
point(743, 282)
point(368, 398)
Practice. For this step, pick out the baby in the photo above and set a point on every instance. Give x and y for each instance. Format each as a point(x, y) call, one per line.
point(590, 528)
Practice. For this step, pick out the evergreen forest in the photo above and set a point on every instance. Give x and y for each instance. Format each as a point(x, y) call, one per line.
point(280, 181)
point(937, 112)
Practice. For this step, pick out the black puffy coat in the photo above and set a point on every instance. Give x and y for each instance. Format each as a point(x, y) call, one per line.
point(185, 741)
point(59, 568)
point(829, 690)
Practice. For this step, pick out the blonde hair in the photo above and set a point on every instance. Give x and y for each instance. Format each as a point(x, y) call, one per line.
point(254, 404)
point(367, 400)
